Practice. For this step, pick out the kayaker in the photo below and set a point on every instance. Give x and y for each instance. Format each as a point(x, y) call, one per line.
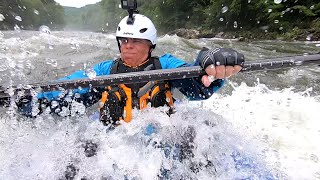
point(136, 41)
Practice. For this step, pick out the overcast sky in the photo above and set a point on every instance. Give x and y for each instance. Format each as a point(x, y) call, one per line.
point(76, 3)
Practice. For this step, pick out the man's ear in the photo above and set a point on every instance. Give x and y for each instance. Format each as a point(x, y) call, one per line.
point(151, 49)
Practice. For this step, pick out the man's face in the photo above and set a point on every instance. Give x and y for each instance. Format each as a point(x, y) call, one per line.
point(134, 51)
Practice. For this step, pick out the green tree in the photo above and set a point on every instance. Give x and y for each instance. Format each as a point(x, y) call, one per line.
point(112, 13)
point(30, 14)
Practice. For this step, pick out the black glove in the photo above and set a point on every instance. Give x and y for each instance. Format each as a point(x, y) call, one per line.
point(5, 102)
point(220, 56)
point(27, 107)
point(4, 97)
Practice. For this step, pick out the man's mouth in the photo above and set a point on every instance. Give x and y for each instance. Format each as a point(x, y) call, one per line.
point(129, 53)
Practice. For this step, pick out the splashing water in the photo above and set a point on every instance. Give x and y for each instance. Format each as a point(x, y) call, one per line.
point(44, 29)
point(91, 73)
point(224, 9)
point(277, 1)
point(2, 17)
point(16, 28)
point(52, 62)
point(235, 24)
point(18, 18)
point(261, 129)
point(36, 12)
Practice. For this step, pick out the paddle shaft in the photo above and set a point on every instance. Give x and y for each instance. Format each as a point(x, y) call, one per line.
point(163, 74)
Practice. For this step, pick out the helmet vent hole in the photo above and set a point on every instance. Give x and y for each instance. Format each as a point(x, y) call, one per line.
point(143, 30)
point(119, 28)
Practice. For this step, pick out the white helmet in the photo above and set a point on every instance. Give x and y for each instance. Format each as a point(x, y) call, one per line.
point(142, 28)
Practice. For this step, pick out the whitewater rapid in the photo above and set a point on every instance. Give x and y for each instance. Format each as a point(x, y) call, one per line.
point(270, 118)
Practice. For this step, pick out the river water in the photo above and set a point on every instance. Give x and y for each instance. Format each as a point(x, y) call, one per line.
point(269, 118)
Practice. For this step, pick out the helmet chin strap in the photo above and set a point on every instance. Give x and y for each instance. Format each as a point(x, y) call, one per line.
point(118, 44)
point(150, 51)
point(152, 47)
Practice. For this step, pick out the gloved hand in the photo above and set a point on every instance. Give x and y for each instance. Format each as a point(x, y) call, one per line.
point(4, 97)
point(5, 102)
point(27, 106)
point(220, 63)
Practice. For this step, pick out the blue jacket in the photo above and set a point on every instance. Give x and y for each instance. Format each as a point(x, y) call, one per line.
point(191, 88)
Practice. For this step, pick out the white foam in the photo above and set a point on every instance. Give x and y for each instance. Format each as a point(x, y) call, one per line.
point(276, 129)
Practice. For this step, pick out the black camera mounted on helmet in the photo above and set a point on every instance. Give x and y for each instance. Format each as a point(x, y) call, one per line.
point(131, 7)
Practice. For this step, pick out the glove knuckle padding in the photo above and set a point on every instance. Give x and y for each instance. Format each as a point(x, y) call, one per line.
point(207, 59)
point(223, 56)
point(240, 60)
point(220, 58)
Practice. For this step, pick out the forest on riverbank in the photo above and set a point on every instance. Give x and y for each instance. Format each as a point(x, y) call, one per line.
point(30, 14)
point(270, 19)
point(251, 19)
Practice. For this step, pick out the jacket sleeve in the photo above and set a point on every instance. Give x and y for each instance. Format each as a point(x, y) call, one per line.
point(99, 70)
point(87, 96)
point(190, 87)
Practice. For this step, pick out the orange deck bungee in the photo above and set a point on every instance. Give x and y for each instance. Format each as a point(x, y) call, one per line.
point(143, 100)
